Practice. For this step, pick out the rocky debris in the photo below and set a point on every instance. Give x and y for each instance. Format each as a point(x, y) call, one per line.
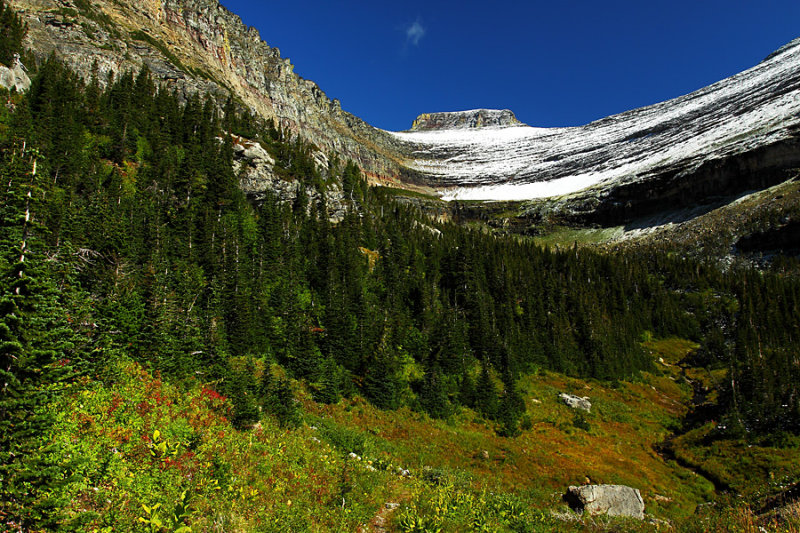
point(576, 402)
point(380, 521)
point(612, 500)
point(659, 523)
point(564, 516)
point(15, 77)
point(475, 118)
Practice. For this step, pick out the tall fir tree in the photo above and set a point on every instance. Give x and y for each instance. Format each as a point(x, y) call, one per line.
point(36, 352)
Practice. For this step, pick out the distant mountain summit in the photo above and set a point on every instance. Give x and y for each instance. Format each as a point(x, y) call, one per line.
point(474, 118)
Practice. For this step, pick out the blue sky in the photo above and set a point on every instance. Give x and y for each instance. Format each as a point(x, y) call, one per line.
point(553, 63)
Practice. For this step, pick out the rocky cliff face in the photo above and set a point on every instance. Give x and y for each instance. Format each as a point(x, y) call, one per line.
point(199, 46)
point(476, 118)
point(14, 77)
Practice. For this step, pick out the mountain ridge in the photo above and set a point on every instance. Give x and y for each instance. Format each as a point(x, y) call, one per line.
point(748, 111)
point(468, 119)
point(199, 46)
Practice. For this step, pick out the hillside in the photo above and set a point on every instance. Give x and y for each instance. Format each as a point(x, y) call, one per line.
point(199, 47)
point(183, 350)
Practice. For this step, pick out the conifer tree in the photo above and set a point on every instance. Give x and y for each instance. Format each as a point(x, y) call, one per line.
point(486, 401)
point(12, 31)
point(36, 351)
point(279, 400)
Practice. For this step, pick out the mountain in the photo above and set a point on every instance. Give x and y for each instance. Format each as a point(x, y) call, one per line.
point(735, 135)
point(210, 322)
point(753, 116)
point(198, 46)
point(742, 133)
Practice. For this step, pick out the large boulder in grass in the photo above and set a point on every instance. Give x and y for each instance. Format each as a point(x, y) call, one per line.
point(612, 500)
point(576, 402)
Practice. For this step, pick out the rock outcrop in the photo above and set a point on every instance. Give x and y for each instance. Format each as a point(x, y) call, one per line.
point(612, 500)
point(15, 77)
point(476, 118)
point(576, 402)
point(257, 178)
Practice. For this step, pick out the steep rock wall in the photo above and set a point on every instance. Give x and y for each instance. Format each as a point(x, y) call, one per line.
point(475, 118)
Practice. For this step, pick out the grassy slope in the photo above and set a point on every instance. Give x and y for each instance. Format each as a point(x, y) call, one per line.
point(144, 443)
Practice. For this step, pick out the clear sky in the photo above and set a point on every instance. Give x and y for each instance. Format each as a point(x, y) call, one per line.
point(555, 63)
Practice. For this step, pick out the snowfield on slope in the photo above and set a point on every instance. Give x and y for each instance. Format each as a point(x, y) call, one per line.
point(751, 109)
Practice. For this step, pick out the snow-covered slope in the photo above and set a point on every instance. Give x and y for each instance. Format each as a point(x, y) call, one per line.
point(747, 111)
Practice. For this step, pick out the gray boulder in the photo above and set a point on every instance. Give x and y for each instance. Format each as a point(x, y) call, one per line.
point(613, 500)
point(576, 402)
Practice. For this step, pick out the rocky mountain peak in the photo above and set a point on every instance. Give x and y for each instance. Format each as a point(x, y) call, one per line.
point(474, 118)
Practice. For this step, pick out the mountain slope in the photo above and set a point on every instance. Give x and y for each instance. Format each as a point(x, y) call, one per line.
point(739, 115)
point(737, 134)
point(198, 46)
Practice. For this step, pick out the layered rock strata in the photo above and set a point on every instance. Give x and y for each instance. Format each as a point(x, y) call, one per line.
point(476, 118)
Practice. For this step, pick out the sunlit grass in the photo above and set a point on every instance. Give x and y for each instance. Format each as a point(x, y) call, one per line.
point(146, 447)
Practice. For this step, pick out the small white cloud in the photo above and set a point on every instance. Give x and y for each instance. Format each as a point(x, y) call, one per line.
point(415, 32)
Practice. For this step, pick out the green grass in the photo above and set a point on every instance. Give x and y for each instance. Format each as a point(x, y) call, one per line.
point(143, 444)
point(755, 470)
point(394, 191)
point(566, 236)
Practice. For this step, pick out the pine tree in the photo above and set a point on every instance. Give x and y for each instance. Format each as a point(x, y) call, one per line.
point(12, 31)
point(279, 400)
point(36, 351)
point(486, 401)
point(433, 396)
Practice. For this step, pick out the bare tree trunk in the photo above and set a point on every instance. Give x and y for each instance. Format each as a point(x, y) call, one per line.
point(25, 226)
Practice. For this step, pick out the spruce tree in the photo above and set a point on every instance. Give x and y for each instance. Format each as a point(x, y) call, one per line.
point(12, 31)
point(36, 352)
